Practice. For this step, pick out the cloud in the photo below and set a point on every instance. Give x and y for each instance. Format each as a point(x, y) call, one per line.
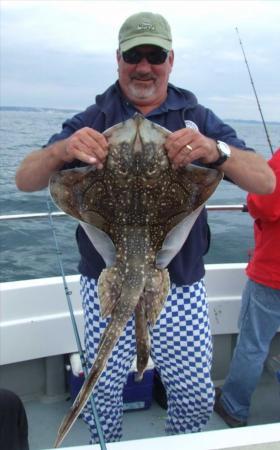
point(62, 53)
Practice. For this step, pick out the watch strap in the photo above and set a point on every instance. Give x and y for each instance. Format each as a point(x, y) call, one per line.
point(219, 161)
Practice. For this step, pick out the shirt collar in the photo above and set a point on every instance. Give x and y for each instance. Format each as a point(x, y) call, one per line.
point(177, 98)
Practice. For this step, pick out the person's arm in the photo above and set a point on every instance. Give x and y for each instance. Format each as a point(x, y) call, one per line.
point(35, 170)
point(247, 169)
point(86, 145)
point(267, 207)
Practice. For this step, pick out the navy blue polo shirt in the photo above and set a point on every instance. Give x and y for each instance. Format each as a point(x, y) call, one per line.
point(181, 105)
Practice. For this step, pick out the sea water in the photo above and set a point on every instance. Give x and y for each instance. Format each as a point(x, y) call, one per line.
point(27, 246)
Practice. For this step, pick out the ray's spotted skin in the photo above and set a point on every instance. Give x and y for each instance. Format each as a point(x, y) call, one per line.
point(139, 202)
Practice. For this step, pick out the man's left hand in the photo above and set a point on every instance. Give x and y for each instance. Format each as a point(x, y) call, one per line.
point(187, 145)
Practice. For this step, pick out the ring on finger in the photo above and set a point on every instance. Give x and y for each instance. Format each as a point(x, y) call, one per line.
point(188, 149)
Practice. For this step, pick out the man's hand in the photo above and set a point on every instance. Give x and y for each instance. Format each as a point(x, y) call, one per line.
point(187, 145)
point(87, 145)
point(246, 169)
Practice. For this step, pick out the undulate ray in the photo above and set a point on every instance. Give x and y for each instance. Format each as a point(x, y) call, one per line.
point(137, 211)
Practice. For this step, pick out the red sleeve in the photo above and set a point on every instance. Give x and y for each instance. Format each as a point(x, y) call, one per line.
point(267, 207)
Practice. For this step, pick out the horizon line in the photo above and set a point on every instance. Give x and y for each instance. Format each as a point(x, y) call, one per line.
point(74, 109)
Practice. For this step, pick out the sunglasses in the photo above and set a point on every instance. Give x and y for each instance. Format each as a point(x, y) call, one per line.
point(157, 56)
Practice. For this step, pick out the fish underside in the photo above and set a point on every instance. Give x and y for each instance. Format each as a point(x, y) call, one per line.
point(137, 211)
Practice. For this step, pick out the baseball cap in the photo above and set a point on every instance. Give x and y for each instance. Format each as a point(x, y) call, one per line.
point(145, 28)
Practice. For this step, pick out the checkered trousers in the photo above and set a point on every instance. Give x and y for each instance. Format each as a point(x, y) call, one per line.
point(181, 348)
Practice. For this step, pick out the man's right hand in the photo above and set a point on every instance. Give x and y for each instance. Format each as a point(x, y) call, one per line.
point(87, 145)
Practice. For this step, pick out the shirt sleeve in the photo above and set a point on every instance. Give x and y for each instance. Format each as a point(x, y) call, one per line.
point(68, 127)
point(80, 120)
point(267, 207)
point(216, 129)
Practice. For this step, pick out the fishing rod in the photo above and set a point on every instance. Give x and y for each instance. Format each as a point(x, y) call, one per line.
point(255, 92)
point(75, 329)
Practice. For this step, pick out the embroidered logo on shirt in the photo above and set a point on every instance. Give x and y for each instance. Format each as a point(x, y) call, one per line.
point(191, 124)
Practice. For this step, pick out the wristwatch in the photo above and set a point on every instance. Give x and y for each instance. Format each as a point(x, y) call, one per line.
point(224, 152)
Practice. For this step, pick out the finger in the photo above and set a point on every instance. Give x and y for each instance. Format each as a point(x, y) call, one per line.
point(178, 156)
point(83, 145)
point(87, 158)
point(179, 133)
point(180, 159)
point(93, 143)
point(98, 137)
point(187, 155)
point(91, 138)
point(174, 147)
point(92, 148)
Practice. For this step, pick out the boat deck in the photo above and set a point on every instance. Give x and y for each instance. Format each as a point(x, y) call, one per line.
point(44, 418)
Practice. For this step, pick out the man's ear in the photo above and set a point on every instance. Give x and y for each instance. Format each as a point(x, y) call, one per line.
point(171, 59)
point(118, 55)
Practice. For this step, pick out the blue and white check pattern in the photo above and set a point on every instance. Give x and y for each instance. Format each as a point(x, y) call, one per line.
point(181, 349)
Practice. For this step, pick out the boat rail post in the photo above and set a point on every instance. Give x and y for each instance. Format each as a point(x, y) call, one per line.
point(75, 329)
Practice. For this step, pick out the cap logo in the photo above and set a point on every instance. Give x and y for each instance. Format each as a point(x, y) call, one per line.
point(145, 26)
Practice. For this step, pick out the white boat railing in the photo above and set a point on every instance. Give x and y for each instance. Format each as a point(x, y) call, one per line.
point(42, 215)
point(34, 312)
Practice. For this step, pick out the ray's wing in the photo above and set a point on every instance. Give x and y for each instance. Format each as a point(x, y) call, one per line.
point(195, 185)
point(203, 180)
point(70, 190)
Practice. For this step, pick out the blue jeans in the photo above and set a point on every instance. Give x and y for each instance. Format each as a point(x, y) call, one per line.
point(258, 322)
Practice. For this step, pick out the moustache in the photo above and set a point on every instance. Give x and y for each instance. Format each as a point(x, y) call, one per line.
point(142, 77)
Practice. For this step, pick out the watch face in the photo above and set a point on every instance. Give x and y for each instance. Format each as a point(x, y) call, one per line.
point(224, 148)
point(224, 151)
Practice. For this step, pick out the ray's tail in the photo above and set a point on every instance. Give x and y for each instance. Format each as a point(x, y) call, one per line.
point(120, 317)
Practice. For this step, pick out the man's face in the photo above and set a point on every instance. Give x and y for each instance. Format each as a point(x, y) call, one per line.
point(145, 83)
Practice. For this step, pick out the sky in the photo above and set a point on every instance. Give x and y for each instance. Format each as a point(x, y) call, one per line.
point(62, 53)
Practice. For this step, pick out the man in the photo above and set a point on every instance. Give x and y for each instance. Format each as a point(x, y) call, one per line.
point(260, 311)
point(180, 341)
